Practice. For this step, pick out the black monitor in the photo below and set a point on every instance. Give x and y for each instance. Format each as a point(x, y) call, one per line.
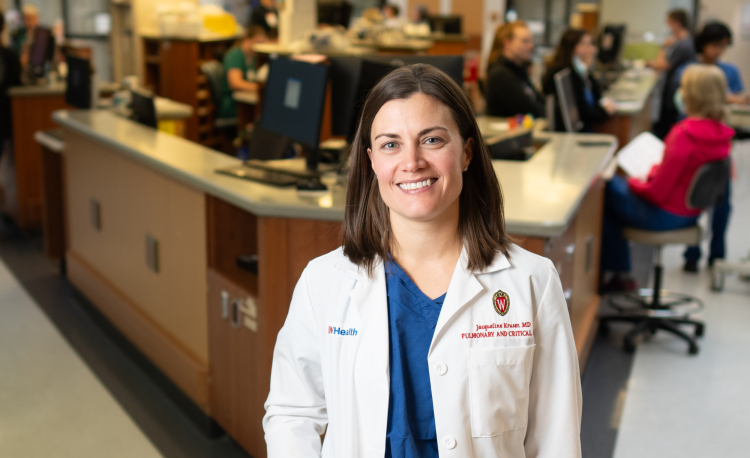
point(294, 101)
point(449, 25)
point(352, 78)
point(611, 41)
point(78, 82)
point(337, 13)
point(144, 109)
point(567, 100)
point(42, 51)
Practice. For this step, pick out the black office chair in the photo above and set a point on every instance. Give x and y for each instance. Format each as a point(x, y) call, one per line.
point(651, 309)
point(214, 72)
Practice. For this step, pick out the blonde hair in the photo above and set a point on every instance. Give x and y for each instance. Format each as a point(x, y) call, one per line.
point(704, 91)
point(30, 9)
point(503, 32)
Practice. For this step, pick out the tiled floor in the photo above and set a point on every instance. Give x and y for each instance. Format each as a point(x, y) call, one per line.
point(697, 406)
point(51, 404)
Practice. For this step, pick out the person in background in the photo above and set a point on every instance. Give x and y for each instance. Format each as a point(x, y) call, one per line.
point(658, 203)
point(267, 16)
point(710, 44)
point(509, 89)
point(241, 70)
point(576, 51)
point(22, 39)
point(678, 49)
point(391, 17)
point(10, 75)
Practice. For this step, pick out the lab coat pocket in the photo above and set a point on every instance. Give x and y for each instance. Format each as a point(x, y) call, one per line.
point(499, 388)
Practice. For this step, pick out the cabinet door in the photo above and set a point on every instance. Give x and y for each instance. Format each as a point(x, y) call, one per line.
point(238, 387)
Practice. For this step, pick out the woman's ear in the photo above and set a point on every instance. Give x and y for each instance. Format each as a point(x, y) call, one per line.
point(468, 152)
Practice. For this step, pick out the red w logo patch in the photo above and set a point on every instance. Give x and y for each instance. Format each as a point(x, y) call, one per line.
point(501, 302)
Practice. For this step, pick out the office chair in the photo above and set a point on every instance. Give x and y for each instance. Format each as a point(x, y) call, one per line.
point(651, 309)
point(214, 72)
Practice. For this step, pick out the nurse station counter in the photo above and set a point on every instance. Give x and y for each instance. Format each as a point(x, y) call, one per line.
point(197, 269)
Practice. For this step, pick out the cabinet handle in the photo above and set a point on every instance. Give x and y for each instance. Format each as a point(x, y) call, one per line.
point(248, 262)
point(236, 313)
point(570, 250)
point(224, 304)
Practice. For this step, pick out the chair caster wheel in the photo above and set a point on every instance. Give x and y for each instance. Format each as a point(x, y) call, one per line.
point(699, 330)
point(693, 349)
point(628, 346)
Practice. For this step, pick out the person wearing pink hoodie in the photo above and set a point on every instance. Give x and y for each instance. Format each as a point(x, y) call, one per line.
point(659, 202)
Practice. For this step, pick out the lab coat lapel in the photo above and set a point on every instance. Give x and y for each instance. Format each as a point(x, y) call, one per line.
point(463, 288)
point(370, 300)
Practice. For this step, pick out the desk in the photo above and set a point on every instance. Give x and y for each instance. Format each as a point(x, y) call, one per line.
point(632, 93)
point(211, 326)
point(32, 108)
point(248, 108)
point(444, 44)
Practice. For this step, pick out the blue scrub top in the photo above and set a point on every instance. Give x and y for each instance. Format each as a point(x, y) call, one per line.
point(412, 318)
point(734, 79)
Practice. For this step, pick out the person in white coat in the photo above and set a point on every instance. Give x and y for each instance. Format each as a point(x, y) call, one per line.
point(429, 333)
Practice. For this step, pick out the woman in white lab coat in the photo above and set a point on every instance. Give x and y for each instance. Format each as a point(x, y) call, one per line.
point(428, 333)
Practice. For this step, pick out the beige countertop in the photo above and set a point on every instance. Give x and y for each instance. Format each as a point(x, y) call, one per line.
point(632, 90)
point(738, 116)
point(53, 89)
point(284, 50)
point(541, 195)
point(206, 37)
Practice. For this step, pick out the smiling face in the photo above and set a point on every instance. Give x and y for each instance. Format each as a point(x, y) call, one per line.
point(418, 156)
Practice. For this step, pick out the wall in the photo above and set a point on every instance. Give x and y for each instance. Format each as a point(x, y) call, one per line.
point(641, 16)
point(728, 11)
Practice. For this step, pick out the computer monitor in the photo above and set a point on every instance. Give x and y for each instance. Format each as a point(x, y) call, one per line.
point(294, 101)
point(566, 98)
point(335, 13)
point(78, 82)
point(610, 43)
point(352, 78)
point(144, 109)
point(42, 51)
point(448, 25)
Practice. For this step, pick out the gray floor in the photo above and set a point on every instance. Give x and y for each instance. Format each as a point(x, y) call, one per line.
point(697, 406)
point(142, 394)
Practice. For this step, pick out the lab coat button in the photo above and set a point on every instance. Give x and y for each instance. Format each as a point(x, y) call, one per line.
point(441, 368)
point(450, 443)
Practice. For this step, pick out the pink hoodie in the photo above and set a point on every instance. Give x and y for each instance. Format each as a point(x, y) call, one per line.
point(689, 144)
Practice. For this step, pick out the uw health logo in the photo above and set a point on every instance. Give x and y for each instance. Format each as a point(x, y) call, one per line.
point(342, 332)
point(501, 302)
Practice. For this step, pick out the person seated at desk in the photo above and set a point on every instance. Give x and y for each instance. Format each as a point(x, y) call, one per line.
point(576, 51)
point(10, 75)
point(509, 90)
point(267, 16)
point(710, 44)
point(678, 49)
point(391, 17)
point(241, 71)
point(659, 202)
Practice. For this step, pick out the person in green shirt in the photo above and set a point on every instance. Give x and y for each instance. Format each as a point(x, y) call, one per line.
point(240, 70)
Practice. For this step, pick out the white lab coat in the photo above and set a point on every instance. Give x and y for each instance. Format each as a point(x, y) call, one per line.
point(511, 396)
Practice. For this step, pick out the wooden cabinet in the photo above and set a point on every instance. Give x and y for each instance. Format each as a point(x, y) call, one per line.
point(575, 255)
point(247, 310)
point(31, 113)
point(172, 70)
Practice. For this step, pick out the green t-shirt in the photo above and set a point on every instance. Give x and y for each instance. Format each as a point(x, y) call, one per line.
point(234, 58)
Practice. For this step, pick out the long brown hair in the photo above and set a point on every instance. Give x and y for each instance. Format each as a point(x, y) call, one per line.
point(566, 49)
point(367, 226)
point(503, 32)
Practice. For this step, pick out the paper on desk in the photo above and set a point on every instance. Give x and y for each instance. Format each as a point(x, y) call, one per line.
point(640, 155)
point(628, 105)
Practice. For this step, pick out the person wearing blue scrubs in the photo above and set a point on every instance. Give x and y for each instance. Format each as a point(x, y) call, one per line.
point(710, 44)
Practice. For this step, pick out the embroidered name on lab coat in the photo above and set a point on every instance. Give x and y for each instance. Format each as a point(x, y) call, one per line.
point(495, 330)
